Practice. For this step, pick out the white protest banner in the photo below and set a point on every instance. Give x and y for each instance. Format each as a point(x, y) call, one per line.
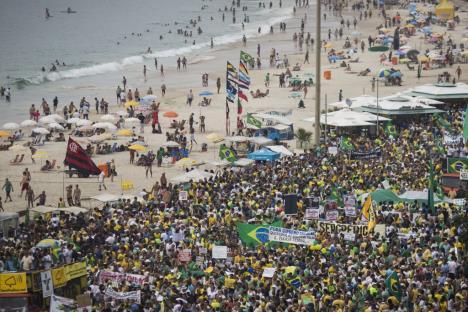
point(349, 201)
point(331, 215)
point(336, 228)
point(269, 272)
point(177, 237)
point(278, 234)
point(119, 277)
point(219, 252)
point(333, 150)
point(183, 195)
point(185, 255)
point(129, 295)
point(46, 281)
point(350, 211)
point(202, 250)
point(463, 174)
point(381, 229)
point(312, 214)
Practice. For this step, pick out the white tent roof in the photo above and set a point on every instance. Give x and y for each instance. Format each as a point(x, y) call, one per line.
point(273, 118)
point(105, 197)
point(237, 138)
point(280, 149)
point(194, 175)
point(243, 162)
point(441, 91)
point(47, 209)
point(348, 118)
point(260, 140)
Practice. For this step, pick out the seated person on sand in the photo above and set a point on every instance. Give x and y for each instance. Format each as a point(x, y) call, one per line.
point(47, 166)
point(60, 138)
point(343, 64)
point(301, 104)
point(259, 94)
point(205, 101)
point(297, 67)
point(348, 68)
point(364, 72)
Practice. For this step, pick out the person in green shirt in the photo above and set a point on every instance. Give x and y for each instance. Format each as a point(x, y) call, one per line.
point(8, 187)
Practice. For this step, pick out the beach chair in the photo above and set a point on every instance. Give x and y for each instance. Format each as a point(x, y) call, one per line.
point(13, 161)
point(17, 161)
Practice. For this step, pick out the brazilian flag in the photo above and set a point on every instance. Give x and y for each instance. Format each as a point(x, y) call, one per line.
point(246, 57)
point(346, 144)
point(251, 120)
point(390, 129)
point(291, 276)
point(226, 153)
point(393, 285)
point(255, 234)
point(456, 164)
point(336, 196)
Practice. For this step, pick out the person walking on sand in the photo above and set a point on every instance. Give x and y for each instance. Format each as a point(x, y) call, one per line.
point(124, 83)
point(156, 63)
point(144, 72)
point(118, 91)
point(305, 91)
point(163, 89)
point(69, 190)
point(202, 124)
point(218, 84)
point(101, 183)
point(184, 63)
point(30, 196)
point(77, 196)
point(190, 98)
point(8, 187)
point(162, 70)
point(24, 183)
point(132, 156)
point(112, 170)
point(340, 95)
point(192, 137)
point(458, 72)
point(306, 58)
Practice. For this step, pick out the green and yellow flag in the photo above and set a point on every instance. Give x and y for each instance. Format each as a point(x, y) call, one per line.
point(251, 120)
point(246, 57)
point(255, 234)
point(456, 164)
point(226, 153)
point(346, 144)
point(390, 129)
point(392, 283)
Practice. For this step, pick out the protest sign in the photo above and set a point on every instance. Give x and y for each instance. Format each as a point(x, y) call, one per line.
point(185, 255)
point(312, 214)
point(119, 277)
point(183, 195)
point(46, 281)
point(349, 236)
point(202, 250)
point(463, 174)
point(219, 252)
point(336, 228)
point(331, 215)
point(58, 304)
point(350, 211)
point(269, 272)
point(349, 201)
point(117, 295)
point(278, 234)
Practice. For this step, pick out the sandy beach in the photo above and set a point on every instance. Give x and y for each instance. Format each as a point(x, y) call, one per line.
point(214, 63)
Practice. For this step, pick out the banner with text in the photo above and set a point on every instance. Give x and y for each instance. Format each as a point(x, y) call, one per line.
point(278, 234)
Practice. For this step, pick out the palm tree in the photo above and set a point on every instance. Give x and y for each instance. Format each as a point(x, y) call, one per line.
point(303, 136)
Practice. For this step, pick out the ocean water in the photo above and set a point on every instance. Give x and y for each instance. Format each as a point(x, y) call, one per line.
point(101, 41)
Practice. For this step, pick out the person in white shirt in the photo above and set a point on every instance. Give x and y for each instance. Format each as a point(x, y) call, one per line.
point(101, 180)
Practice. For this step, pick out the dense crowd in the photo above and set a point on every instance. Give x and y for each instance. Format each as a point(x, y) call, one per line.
point(146, 238)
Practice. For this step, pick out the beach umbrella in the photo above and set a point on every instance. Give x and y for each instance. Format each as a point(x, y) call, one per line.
point(205, 93)
point(40, 130)
point(148, 99)
point(55, 126)
point(170, 144)
point(47, 119)
point(427, 29)
point(28, 123)
point(73, 120)
point(107, 117)
point(170, 114)
point(328, 45)
point(137, 147)
point(104, 125)
point(132, 120)
point(48, 243)
point(186, 162)
point(83, 122)
point(295, 95)
point(125, 132)
point(17, 148)
point(86, 128)
point(131, 103)
point(409, 26)
point(40, 154)
point(4, 134)
point(214, 137)
point(57, 118)
point(10, 126)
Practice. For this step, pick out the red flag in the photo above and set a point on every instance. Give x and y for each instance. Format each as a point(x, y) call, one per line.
point(77, 158)
point(239, 107)
point(242, 95)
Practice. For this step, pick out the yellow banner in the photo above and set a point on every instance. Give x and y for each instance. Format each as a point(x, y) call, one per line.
point(58, 277)
point(13, 283)
point(75, 270)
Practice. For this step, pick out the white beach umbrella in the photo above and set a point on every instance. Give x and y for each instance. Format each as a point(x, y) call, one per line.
point(73, 120)
point(107, 117)
point(104, 125)
point(28, 123)
point(40, 130)
point(132, 120)
point(83, 122)
point(170, 144)
point(11, 126)
point(56, 126)
point(47, 120)
point(57, 118)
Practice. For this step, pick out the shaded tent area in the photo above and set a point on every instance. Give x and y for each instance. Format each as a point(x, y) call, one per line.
point(264, 154)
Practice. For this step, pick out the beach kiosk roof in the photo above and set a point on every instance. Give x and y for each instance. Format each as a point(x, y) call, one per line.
point(441, 91)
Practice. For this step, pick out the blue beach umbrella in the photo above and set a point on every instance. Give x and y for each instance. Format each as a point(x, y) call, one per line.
point(205, 93)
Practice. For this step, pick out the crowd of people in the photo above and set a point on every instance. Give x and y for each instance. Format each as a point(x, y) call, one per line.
point(147, 238)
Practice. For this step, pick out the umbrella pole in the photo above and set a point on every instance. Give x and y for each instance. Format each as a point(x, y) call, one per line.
point(317, 75)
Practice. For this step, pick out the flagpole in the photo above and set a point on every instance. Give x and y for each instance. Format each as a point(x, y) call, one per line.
point(317, 76)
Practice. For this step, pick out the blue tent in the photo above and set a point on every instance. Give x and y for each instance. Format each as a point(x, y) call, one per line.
point(264, 154)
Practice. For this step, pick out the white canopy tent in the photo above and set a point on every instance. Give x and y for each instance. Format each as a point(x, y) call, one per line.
point(260, 140)
point(194, 175)
point(283, 151)
point(441, 91)
point(105, 197)
point(348, 118)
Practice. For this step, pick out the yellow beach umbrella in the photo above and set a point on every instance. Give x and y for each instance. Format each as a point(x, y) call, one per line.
point(328, 45)
point(40, 154)
point(4, 134)
point(131, 103)
point(125, 132)
point(137, 147)
point(214, 137)
point(186, 162)
point(423, 58)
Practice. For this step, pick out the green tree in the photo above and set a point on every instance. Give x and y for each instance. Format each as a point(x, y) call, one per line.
point(303, 136)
